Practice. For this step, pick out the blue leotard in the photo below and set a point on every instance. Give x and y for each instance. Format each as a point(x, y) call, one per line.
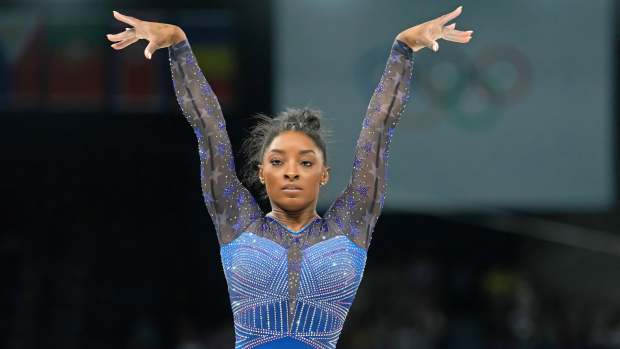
point(291, 289)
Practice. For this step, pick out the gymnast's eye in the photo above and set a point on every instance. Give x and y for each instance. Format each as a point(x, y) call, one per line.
point(306, 163)
point(276, 162)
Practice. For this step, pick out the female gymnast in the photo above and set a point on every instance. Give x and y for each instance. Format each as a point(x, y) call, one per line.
point(292, 275)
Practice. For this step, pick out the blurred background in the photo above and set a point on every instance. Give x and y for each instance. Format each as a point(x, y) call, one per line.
point(501, 227)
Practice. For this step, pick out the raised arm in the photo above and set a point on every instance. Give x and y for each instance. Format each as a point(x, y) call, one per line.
point(356, 210)
point(230, 204)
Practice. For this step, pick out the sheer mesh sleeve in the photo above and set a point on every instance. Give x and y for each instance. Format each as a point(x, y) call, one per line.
point(356, 210)
point(230, 204)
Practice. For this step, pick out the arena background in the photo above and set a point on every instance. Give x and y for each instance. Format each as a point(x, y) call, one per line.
point(502, 223)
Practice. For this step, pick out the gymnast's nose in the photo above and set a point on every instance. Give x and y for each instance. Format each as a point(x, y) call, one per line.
point(291, 176)
point(291, 172)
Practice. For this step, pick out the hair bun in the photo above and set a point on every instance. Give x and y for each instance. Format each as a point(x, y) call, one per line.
point(311, 120)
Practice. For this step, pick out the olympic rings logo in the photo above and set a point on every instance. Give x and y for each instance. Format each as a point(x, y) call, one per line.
point(468, 92)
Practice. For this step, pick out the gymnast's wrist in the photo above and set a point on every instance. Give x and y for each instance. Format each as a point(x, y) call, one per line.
point(177, 35)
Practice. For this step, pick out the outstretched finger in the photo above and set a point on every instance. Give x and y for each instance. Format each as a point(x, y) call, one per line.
point(121, 36)
point(450, 16)
point(457, 34)
point(126, 19)
point(121, 45)
point(457, 38)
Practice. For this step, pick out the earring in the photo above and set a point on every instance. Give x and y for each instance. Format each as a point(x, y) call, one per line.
point(262, 181)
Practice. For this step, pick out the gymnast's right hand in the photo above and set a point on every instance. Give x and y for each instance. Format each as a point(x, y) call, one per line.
point(159, 35)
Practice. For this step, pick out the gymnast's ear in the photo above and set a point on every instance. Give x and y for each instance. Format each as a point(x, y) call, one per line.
point(325, 176)
point(260, 174)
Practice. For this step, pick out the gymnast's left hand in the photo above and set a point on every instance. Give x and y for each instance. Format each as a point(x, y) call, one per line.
point(426, 34)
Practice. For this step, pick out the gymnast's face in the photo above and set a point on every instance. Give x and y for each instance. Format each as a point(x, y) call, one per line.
point(292, 171)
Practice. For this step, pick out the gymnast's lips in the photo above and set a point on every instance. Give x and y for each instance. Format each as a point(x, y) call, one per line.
point(291, 188)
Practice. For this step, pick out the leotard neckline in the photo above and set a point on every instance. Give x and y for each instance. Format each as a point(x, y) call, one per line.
point(294, 232)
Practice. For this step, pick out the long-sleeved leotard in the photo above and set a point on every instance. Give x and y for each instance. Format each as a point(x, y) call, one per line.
point(292, 289)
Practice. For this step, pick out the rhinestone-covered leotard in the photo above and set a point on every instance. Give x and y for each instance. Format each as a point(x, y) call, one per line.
point(291, 289)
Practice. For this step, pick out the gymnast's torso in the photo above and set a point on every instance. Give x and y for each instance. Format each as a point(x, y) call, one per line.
point(291, 287)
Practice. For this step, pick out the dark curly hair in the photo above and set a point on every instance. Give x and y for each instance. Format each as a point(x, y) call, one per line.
point(260, 136)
